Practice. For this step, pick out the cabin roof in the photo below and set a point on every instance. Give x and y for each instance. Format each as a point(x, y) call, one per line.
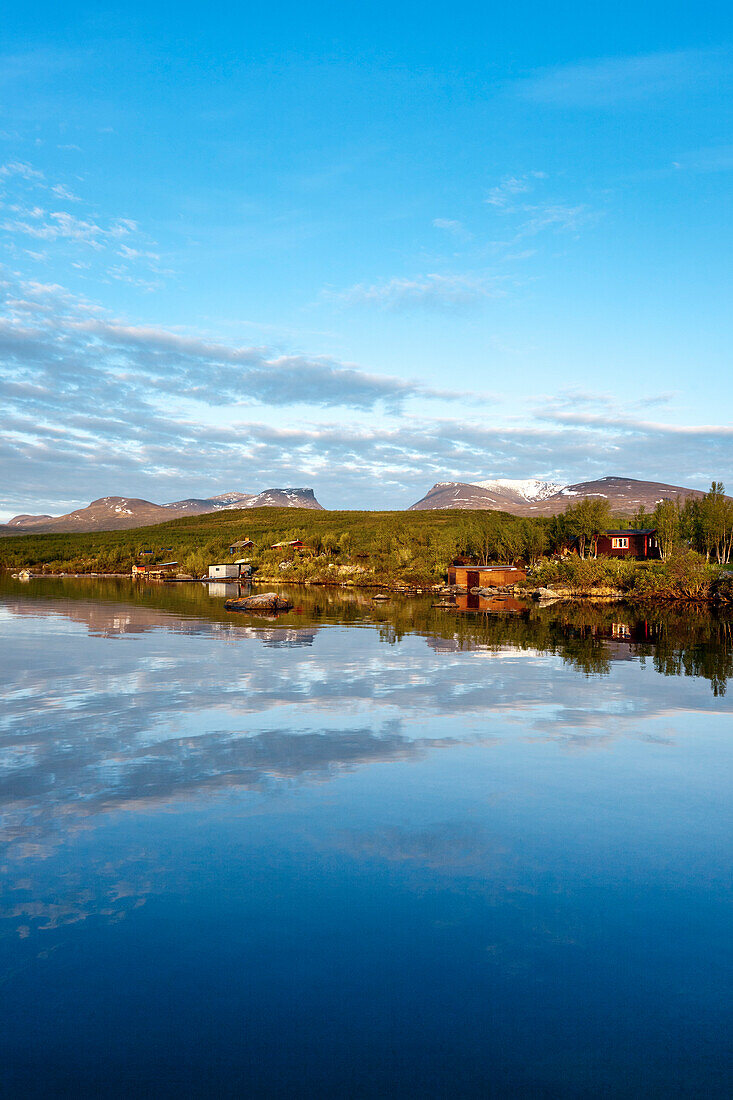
point(473, 567)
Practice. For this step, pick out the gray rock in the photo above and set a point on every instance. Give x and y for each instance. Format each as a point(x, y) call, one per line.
point(544, 594)
point(263, 601)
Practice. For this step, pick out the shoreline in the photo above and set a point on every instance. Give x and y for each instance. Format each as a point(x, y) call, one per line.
point(531, 595)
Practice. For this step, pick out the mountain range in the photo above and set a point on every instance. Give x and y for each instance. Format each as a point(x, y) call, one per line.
point(120, 513)
point(530, 497)
point(546, 498)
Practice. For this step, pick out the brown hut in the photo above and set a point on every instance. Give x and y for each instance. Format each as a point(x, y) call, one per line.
point(485, 576)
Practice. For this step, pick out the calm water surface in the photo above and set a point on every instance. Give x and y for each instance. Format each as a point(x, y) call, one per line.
point(362, 850)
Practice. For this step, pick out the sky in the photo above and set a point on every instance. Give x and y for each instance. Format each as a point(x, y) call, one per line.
point(361, 249)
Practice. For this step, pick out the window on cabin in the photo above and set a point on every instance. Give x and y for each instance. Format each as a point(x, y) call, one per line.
point(620, 543)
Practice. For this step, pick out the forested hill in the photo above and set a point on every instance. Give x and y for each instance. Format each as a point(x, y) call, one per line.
point(388, 542)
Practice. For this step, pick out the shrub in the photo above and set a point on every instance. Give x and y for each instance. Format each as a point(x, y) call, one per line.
point(584, 574)
point(685, 575)
point(723, 586)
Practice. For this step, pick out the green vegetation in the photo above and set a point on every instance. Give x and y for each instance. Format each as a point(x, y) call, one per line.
point(704, 525)
point(583, 523)
point(416, 548)
point(409, 547)
point(684, 575)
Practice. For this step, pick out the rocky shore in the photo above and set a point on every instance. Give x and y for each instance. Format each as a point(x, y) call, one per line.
point(551, 591)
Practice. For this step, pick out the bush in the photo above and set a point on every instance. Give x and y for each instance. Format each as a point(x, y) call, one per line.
point(683, 576)
point(723, 586)
point(584, 574)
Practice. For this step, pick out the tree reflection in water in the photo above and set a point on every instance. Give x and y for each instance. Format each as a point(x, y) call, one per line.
point(681, 639)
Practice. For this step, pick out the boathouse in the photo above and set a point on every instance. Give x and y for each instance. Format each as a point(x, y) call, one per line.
point(228, 571)
point(163, 569)
point(485, 576)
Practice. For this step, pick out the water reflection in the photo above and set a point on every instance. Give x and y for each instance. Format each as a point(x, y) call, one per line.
point(485, 797)
point(690, 640)
point(221, 591)
point(201, 703)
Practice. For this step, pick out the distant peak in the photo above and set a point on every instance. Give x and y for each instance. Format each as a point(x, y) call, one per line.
point(531, 488)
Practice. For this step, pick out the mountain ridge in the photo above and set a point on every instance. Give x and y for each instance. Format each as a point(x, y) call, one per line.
point(122, 513)
point(519, 497)
point(534, 497)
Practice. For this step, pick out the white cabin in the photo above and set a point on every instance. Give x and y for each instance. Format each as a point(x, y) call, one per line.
point(230, 571)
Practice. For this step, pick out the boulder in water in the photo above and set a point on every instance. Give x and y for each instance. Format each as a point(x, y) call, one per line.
point(262, 601)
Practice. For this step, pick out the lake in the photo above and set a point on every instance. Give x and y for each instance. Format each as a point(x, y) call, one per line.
point(362, 850)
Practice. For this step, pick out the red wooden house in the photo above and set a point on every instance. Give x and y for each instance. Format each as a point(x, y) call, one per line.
point(641, 545)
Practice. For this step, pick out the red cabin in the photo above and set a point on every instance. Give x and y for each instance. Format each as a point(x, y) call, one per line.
point(485, 576)
point(641, 545)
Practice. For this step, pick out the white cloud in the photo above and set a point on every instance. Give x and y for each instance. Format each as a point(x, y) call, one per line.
point(62, 192)
point(22, 169)
point(430, 291)
point(716, 158)
point(557, 216)
point(504, 194)
point(509, 198)
point(122, 275)
point(25, 218)
point(93, 406)
point(453, 226)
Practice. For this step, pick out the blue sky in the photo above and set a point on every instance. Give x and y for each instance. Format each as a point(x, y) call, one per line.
point(361, 250)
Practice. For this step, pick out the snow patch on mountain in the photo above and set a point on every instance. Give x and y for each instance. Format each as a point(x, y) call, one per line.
point(528, 489)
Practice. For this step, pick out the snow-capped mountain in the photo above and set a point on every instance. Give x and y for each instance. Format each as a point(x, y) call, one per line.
point(530, 489)
point(121, 513)
point(534, 497)
point(283, 498)
point(199, 505)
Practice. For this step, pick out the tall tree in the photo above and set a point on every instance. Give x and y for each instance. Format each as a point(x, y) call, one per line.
point(586, 521)
point(534, 540)
point(715, 523)
point(666, 520)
